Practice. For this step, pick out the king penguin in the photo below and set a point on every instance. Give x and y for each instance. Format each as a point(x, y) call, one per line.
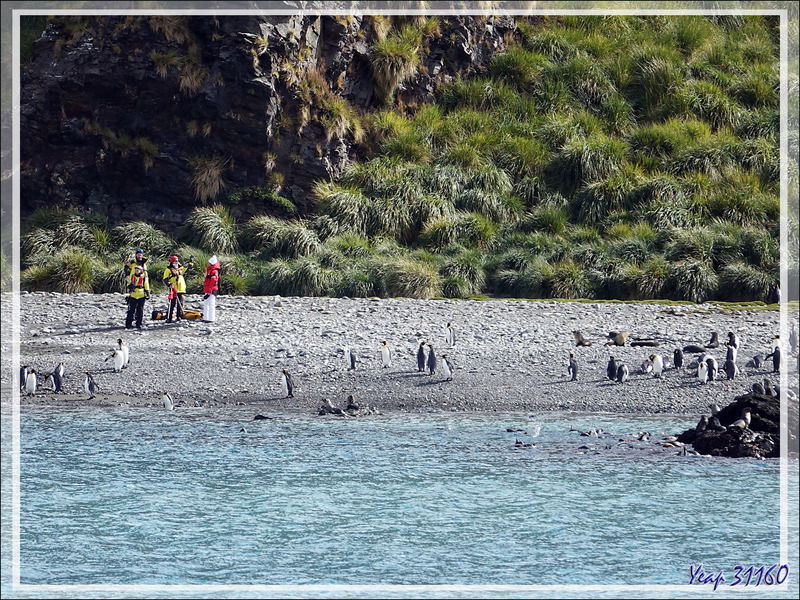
point(431, 360)
point(350, 358)
point(126, 353)
point(702, 372)
point(677, 358)
point(23, 376)
point(776, 359)
point(733, 339)
point(49, 377)
point(731, 352)
point(30, 382)
point(90, 386)
point(288, 384)
point(386, 356)
point(658, 364)
point(572, 367)
point(58, 378)
point(421, 357)
point(611, 369)
point(622, 373)
point(166, 400)
point(450, 335)
point(730, 369)
point(119, 360)
point(713, 368)
point(447, 368)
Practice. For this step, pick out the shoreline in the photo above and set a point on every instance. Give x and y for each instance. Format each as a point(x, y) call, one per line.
point(509, 355)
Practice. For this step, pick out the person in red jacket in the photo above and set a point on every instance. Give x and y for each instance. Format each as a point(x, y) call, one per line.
point(210, 289)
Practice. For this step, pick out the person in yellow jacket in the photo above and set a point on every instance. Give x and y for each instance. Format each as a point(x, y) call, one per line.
point(140, 259)
point(139, 288)
point(173, 279)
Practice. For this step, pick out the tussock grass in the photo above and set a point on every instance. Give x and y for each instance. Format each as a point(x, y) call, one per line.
point(278, 238)
point(693, 280)
point(206, 179)
point(212, 229)
point(139, 234)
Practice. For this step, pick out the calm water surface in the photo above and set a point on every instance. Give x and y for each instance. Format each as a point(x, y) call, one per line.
point(145, 496)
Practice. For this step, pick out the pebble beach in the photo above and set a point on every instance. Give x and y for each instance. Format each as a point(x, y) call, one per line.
point(509, 355)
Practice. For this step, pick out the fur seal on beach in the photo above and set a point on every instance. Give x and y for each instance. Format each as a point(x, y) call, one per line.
point(431, 360)
point(758, 388)
point(702, 424)
point(677, 358)
point(715, 425)
point(386, 356)
point(447, 368)
point(693, 349)
point(579, 339)
point(287, 384)
point(449, 336)
point(744, 422)
point(756, 362)
point(421, 357)
point(768, 389)
point(572, 367)
point(714, 342)
point(611, 369)
point(658, 364)
point(622, 373)
point(166, 400)
point(714, 408)
point(617, 338)
point(90, 386)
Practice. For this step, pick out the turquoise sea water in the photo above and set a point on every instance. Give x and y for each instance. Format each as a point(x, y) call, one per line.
point(144, 496)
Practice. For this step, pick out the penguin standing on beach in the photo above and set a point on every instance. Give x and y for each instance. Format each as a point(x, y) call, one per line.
point(90, 386)
point(59, 370)
point(23, 376)
point(658, 365)
point(793, 339)
point(288, 384)
point(733, 340)
point(622, 373)
point(126, 353)
point(731, 352)
point(447, 368)
point(386, 356)
point(702, 372)
point(421, 357)
point(119, 360)
point(166, 400)
point(572, 367)
point(49, 378)
point(713, 368)
point(58, 377)
point(730, 369)
point(431, 360)
point(350, 358)
point(450, 335)
point(776, 359)
point(30, 382)
point(677, 358)
point(611, 369)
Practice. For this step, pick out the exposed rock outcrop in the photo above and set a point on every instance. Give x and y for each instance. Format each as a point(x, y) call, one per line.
point(761, 439)
point(144, 117)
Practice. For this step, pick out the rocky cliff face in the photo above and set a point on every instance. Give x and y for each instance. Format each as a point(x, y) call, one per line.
point(144, 118)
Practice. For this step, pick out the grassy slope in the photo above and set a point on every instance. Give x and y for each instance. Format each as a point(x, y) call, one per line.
point(604, 157)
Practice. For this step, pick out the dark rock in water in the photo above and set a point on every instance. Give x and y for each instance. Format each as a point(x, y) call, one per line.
point(738, 443)
point(760, 440)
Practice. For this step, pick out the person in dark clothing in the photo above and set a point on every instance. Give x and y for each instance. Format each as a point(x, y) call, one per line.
point(139, 293)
